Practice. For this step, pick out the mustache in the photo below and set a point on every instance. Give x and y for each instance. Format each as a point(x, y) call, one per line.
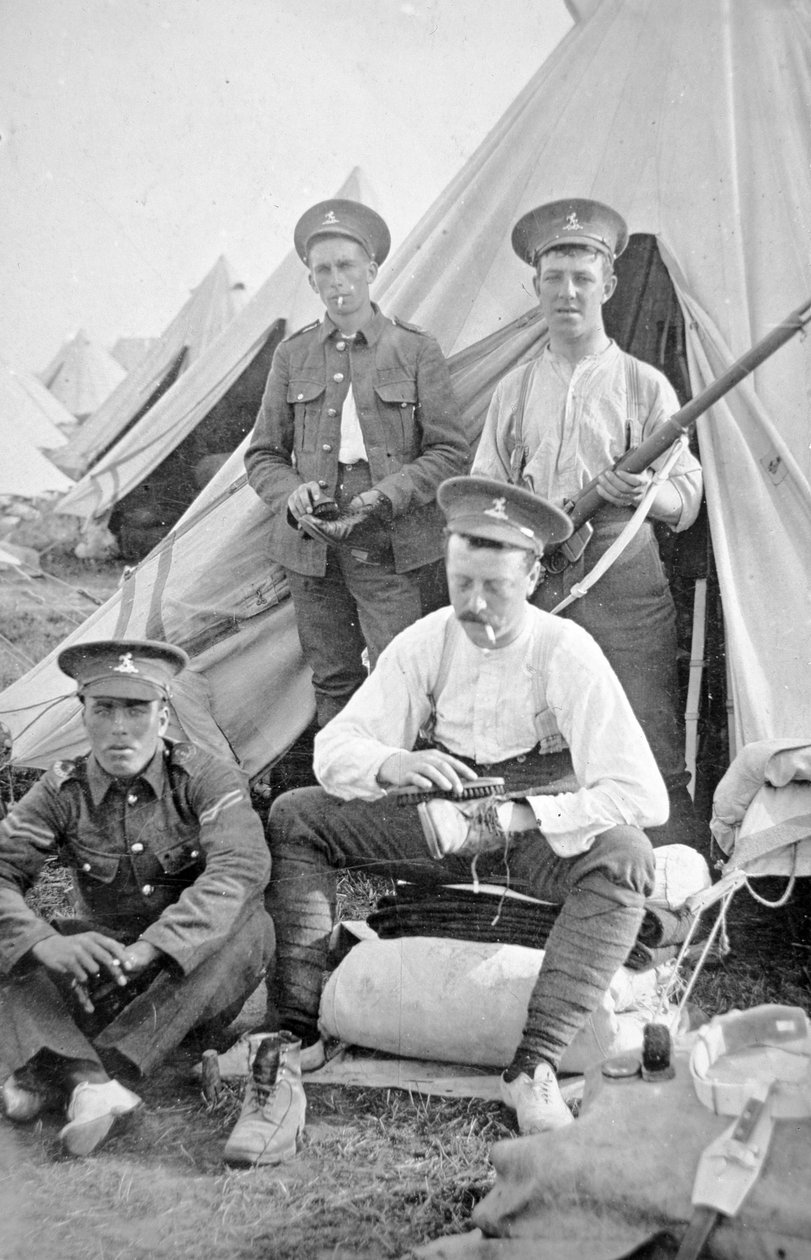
point(480, 621)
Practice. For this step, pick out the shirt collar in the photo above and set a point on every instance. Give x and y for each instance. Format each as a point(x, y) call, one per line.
point(370, 332)
point(606, 353)
point(100, 782)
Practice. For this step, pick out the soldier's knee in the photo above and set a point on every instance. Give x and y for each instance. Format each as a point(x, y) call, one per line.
point(624, 856)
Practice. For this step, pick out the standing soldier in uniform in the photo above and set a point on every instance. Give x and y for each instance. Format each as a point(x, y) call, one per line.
point(563, 420)
point(359, 417)
point(169, 863)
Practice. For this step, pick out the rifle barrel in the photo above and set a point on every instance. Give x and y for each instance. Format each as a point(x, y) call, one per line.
point(642, 456)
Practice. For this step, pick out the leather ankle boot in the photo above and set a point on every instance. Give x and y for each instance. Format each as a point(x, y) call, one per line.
point(274, 1107)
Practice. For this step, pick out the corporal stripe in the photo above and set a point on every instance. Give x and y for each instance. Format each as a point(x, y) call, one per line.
point(225, 802)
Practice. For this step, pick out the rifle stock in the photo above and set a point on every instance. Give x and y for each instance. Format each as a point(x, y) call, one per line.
point(642, 456)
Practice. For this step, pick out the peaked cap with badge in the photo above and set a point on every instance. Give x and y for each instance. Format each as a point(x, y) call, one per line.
point(574, 221)
point(341, 217)
point(482, 508)
point(131, 669)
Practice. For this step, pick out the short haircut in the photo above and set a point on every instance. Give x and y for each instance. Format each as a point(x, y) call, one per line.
point(491, 544)
point(571, 251)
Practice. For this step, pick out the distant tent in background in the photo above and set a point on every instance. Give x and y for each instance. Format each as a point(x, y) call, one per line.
point(33, 410)
point(82, 375)
point(154, 504)
point(153, 472)
point(209, 308)
point(25, 472)
point(129, 351)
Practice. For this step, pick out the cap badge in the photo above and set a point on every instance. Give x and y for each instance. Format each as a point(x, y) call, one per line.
point(329, 217)
point(572, 223)
point(499, 510)
point(125, 665)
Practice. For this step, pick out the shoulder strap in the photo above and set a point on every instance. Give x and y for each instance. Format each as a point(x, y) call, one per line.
point(427, 729)
point(633, 393)
point(520, 454)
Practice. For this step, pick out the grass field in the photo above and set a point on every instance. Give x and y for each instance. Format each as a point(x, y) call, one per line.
point(378, 1172)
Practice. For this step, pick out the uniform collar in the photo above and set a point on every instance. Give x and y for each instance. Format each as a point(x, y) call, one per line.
point(100, 782)
point(370, 332)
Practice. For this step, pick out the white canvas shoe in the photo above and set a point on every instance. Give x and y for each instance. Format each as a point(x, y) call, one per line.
point(22, 1103)
point(536, 1101)
point(92, 1112)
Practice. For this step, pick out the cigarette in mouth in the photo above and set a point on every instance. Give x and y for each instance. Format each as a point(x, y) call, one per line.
point(490, 632)
point(340, 301)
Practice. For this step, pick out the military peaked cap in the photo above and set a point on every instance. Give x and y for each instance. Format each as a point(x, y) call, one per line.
point(343, 218)
point(482, 508)
point(135, 669)
point(574, 221)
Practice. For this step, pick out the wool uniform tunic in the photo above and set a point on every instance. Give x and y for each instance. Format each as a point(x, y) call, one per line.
point(174, 856)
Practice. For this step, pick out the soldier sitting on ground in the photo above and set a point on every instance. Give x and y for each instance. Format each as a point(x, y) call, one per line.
point(169, 863)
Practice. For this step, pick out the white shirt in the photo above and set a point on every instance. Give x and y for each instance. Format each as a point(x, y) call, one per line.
point(551, 687)
point(577, 421)
point(353, 447)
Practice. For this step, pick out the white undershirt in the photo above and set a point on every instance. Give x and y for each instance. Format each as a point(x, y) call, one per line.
point(353, 447)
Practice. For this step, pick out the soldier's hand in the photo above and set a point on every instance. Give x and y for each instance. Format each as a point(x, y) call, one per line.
point(303, 499)
point(140, 955)
point(82, 956)
point(623, 488)
point(371, 503)
point(81, 959)
point(426, 769)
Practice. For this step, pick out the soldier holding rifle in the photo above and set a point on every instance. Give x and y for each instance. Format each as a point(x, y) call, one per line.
point(564, 420)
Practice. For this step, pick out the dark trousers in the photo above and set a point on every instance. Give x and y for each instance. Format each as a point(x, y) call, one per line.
point(602, 892)
point(38, 1012)
point(357, 604)
point(631, 614)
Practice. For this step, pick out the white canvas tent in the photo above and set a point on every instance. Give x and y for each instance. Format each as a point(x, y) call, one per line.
point(209, 309)
point(26, 404)
point(285, 300)
point(129, 351)
point(25, 472)
point(82, 375)
point(691, 118)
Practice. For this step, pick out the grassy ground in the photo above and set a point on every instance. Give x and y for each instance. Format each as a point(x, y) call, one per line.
point(378, 1171)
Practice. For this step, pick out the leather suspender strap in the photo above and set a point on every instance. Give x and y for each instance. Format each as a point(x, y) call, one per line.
point(520, 454)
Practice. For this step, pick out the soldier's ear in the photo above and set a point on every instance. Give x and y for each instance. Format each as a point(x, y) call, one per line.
point(609, 286)
point(311, 282)
point(372, 270)
point(163, 723)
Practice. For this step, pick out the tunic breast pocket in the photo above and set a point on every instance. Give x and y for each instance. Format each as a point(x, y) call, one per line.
point(306, 397)
point(397, 401)
point(90, 860)
point(180, 860)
